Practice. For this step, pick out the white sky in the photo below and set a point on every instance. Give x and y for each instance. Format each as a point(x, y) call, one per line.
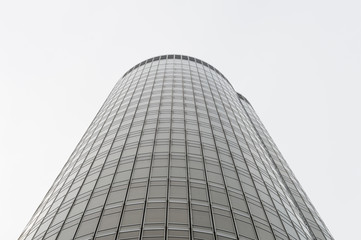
point(297, 62)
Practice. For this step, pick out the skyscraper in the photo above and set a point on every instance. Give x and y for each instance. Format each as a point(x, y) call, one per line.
point(175, 153)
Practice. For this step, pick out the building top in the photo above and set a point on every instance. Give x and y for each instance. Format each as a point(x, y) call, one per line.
point(184, 57)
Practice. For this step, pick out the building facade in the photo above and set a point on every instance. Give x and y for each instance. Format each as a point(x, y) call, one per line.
point(175, 153)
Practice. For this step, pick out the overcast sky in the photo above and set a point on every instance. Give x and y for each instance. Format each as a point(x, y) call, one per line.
point(297, 62)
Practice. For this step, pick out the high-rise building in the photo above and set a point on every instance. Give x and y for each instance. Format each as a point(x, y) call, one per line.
point(175, 153)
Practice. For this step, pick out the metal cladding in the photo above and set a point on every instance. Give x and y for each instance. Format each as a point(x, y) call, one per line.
point(175, 153)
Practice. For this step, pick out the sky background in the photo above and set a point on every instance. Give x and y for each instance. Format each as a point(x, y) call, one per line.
point(297, 62)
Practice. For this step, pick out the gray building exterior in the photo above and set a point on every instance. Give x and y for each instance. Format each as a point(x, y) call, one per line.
point(175, 153)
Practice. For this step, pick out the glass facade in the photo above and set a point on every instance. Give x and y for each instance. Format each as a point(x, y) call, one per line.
point(175, 153)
